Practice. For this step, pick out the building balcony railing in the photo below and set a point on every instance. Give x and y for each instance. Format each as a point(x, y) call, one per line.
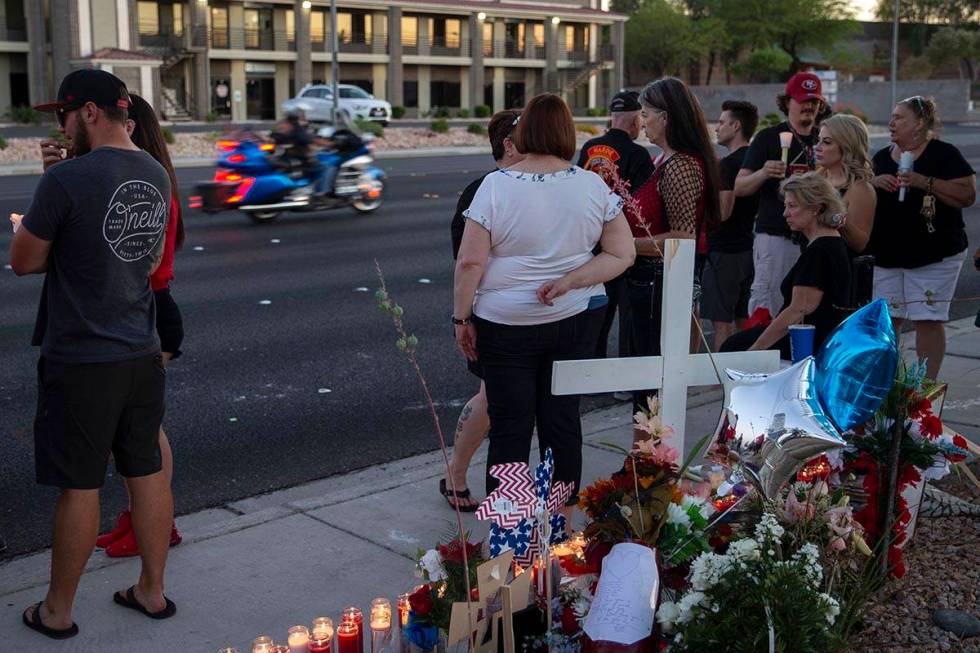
point(356, 43)
point(511, 49)
point(12, 33)
point(169, 41)
point(605, 52)
point(579, 55)
point(438, 46)
point(238, 38)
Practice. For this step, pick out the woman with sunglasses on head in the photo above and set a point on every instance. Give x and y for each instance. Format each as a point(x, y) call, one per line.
point(918, 238)
point(680, 200)
point(145, 132)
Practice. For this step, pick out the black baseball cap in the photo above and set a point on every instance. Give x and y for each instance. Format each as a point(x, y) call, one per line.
point(89, 85)
point(625, 101)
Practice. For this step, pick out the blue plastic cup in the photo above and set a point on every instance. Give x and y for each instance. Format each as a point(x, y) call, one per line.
point(801, 337)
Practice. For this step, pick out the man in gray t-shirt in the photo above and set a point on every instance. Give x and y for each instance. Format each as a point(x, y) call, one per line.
point(96, 228)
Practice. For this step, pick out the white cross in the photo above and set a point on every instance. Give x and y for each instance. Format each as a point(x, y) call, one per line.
point(676, 369)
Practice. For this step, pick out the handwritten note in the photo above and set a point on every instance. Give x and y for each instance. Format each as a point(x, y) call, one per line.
point(621, 611)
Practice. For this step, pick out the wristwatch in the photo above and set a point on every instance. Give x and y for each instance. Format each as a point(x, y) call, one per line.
point(463, 322)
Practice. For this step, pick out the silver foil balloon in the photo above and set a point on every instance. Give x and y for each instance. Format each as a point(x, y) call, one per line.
point(774, 423)
point(856, 365)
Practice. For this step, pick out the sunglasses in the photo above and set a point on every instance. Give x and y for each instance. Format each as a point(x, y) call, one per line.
point(62, 113)
point(918, 102)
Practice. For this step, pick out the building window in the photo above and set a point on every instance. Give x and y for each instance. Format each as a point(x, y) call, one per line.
point(345, 28)
point(219, 27)
point(410, 91)
point(538, 32)
point(290, 26)
point(487, 39)
point(445, 94)
point(318, 29)
point(410, 31)
point(445, 32)
point(251, 28)
point(148, 18)
point(178, 21)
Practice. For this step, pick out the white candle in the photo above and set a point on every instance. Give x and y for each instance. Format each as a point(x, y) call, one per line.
point(785, 141)
point(262, 644)
point(299, 639)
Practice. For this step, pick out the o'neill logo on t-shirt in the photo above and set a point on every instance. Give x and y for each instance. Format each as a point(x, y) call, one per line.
point(135, 221)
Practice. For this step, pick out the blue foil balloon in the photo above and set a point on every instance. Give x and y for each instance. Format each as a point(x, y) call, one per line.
point(856, 366)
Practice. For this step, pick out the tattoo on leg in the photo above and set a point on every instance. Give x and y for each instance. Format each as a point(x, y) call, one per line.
point(463, 416)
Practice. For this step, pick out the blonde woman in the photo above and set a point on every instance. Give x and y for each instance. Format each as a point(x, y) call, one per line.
point(842, 157)
point(819, 283)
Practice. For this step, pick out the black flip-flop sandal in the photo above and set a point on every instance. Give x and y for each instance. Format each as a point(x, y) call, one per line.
point(465, 495)
point(128, 600)
point(35, 624)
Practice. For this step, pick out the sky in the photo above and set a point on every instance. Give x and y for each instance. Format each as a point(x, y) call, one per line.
point(864, 9)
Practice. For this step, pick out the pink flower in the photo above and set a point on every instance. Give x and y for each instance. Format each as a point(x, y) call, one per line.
point(838, 544)
point(797, 510)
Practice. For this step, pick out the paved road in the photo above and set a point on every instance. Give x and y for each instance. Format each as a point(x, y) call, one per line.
point(273, 395)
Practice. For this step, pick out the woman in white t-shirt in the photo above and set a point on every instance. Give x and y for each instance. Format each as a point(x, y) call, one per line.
point(528, 290)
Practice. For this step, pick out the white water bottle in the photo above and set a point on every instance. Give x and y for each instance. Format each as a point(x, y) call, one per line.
point(904, 165)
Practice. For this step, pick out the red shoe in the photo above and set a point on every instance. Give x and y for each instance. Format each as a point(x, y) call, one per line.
point(126, 546)
point(124, 524)
point(761, 317)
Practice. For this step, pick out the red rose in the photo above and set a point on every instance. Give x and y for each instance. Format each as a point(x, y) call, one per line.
point(453, 552)
point(919, 408)
point(931, 426)
point(421, 601)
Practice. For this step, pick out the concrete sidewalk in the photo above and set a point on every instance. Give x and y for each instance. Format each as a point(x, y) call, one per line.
point(263, 564)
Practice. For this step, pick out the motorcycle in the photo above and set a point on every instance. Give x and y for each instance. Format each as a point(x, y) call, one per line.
point(250, 178)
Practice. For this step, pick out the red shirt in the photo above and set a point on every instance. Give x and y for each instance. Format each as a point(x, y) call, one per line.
point(160, 280)
point(655, 210)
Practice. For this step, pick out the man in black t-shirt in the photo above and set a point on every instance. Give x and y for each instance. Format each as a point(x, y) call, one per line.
point(727, 276)
point(764, 167)
point(96, 227)
point(474, 423)
point(617, 146)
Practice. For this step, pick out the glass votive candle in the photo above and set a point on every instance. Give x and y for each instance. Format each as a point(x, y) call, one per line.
point(262, 644)
point(347, 641)
point(299, 639)
point(404, 607)
point(380, 614)
point(353, 615)
point(321, 635)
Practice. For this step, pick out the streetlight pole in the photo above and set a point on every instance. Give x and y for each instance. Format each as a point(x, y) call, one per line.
point(334, 63)
point(895, 52)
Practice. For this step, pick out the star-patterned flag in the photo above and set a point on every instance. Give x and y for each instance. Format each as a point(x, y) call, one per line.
point(524, 511)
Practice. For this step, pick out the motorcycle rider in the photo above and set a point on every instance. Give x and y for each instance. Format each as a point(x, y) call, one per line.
point(345, 137)
point(293, 135)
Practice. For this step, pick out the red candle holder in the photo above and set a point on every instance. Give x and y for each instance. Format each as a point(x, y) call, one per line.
point(353, 615)
point(347, 638)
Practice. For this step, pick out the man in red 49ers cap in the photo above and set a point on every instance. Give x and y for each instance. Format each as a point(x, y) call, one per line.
point(774, 154)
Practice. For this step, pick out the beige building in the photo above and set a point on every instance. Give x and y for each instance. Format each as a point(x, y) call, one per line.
point(241, 59)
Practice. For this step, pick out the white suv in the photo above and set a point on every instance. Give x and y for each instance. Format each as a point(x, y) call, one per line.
point(316, 103)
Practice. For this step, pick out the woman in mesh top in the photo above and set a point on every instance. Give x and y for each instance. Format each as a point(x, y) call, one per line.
point(680, 200)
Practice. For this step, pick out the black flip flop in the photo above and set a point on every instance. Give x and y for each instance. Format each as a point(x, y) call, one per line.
point(449, 494)
point(35, 624)
point(128, 600)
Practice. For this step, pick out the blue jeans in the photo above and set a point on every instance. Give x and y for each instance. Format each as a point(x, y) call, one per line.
point(517, 364)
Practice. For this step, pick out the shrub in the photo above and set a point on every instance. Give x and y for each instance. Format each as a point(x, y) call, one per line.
point(397, 112)
point(56, 135)
point(25, 115)
point(3, 142)
point(439, 112)
point(769, 120)
point(439, 126)
point(211, 116)
point(850, 110)
point(597, 112)
point(588, 129)
point(168, 136)
point(463, 113)
point(370, 127)
point(476, 128)
point(482, 111)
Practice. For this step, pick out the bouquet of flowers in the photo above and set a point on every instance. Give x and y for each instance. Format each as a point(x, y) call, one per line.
point(926, 452)
point(761, 591)
point(445, 575)
point(569, 609)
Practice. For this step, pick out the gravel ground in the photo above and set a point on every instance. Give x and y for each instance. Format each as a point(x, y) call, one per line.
point(943, 573)
point(197, 145)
